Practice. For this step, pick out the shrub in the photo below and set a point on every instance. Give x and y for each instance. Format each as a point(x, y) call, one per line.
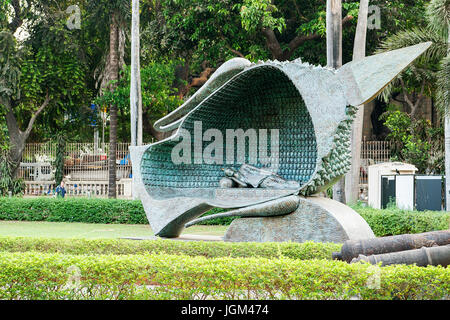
point(395, 221)
point(293, 250)
point(73, 210)
point(35, 275)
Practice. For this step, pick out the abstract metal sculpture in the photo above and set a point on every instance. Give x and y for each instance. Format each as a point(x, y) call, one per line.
point(308, 109)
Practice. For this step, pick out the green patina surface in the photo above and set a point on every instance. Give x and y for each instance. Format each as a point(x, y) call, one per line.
point(256, 100)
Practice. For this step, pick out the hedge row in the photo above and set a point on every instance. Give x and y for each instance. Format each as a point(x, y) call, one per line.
point(73, 210)
point(302, 251)
point(383, 222)
point(396, 221)
point(35, 276)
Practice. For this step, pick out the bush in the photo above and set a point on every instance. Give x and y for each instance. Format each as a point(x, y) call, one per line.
point(73, 210)
point(35, 275)
point(293, 250)
point(395, 221)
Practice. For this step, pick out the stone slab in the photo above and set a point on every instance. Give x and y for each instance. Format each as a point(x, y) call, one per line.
point(316, 219)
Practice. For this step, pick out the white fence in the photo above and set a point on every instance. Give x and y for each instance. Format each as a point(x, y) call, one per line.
point(86, 167)
point(97, 189)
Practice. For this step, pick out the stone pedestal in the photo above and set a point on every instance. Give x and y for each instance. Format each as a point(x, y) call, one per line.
point(316, 219)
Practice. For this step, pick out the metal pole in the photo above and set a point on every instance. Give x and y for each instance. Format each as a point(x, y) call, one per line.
point(135, 81)
point(334, 33)
point(334, 60)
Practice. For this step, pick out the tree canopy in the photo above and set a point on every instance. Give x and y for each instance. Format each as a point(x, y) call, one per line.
point(182, 43)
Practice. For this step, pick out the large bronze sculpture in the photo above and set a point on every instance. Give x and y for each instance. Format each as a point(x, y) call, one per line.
point(304, 115)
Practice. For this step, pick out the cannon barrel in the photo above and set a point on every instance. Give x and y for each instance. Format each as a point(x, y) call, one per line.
point(422, 257)
point(353, 248)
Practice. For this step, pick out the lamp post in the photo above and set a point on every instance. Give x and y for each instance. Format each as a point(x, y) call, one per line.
point(135, 82)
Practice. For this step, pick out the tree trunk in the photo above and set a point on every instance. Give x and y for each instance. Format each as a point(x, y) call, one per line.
point(334, 60)
point(16, 142)
point(113, 75)
point(17, 138)
point(359, 52)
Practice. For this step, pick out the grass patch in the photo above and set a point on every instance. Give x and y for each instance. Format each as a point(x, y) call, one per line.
point(41, 229)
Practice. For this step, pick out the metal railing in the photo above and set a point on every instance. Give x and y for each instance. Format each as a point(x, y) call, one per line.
point(373, 152)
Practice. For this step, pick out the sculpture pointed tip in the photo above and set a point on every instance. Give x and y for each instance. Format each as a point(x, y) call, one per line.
point(366, 78)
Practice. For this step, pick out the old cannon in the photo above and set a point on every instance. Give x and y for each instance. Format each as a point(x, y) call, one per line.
point(434, 256)
point(429, 248)
point(288, 118)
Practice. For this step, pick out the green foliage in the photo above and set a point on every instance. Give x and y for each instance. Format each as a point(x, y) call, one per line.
point(258, 14)
point(10, 59)
point(158, 95)
point(443, 76)
point(394, 221)
point(55, 64)
point(37, 276)
point(200, 32)
point(196, 31)
point(416, 141)
point(73, 210)
point(51, 60)
point(292, 250)
point(429, 67)
point(438, 13)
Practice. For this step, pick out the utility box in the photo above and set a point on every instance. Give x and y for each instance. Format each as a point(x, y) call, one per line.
point(375, 181)
point(429, 192)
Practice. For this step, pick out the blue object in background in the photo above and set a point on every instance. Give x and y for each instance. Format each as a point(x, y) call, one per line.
point(93, 118)
point(124, 161)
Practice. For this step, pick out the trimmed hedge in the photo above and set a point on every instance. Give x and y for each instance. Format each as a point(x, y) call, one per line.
point(293, 250)
point(383, 222)
point(35, 276)
point(395, 221)
point(73, 210)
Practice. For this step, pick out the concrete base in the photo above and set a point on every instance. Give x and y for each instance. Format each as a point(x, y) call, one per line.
point(316, 219)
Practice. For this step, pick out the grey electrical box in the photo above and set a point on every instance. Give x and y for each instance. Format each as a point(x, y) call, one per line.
point(429, 193)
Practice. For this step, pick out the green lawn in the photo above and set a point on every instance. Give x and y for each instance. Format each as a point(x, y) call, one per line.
point(91, 230)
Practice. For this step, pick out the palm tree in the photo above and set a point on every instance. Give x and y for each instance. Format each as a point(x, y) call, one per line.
point(437, 78)
point(116, 12)
point(113, 75)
